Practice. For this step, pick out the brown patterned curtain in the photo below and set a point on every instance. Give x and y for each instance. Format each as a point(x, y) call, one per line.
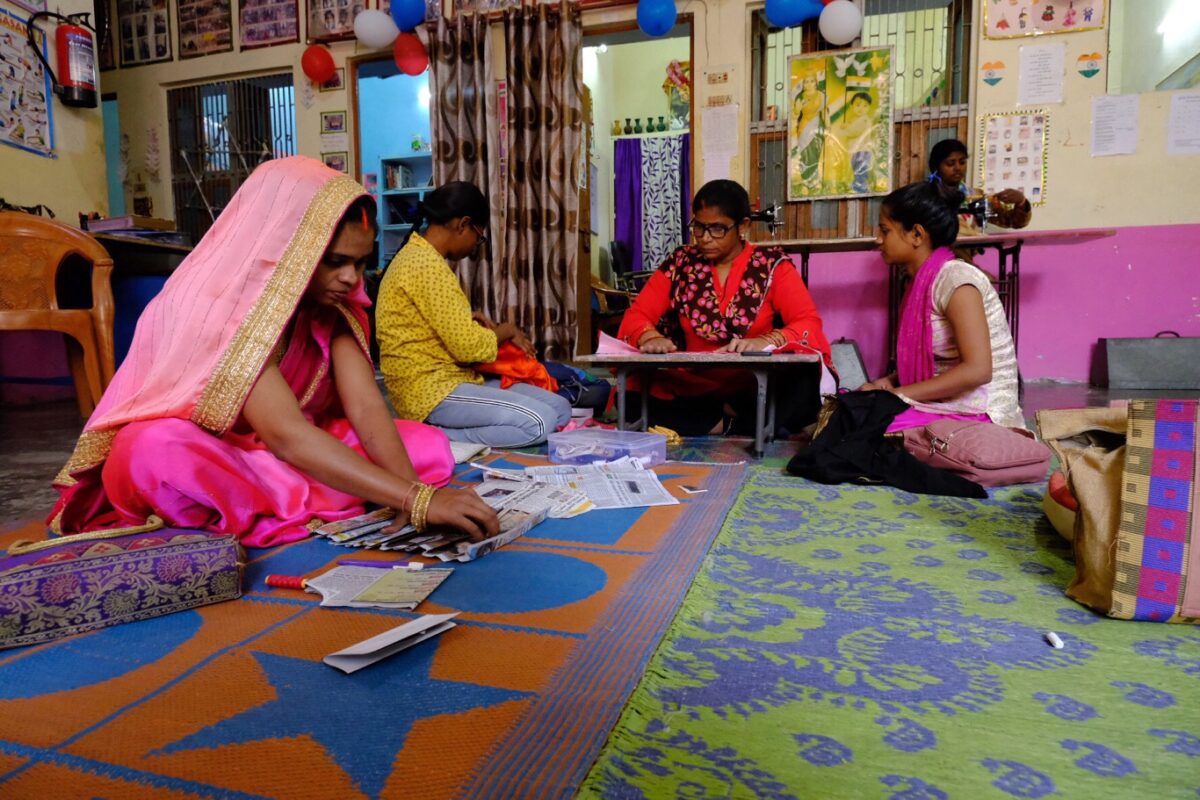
point(536, 267)
point(462, 83)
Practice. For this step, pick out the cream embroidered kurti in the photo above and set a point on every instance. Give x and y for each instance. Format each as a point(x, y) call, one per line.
point(997, 399)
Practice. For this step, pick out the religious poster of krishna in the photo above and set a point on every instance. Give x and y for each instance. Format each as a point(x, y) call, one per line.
point(840, 124)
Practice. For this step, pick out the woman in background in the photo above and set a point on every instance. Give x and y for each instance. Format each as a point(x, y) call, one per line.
point(429, 340)
point(247, 403)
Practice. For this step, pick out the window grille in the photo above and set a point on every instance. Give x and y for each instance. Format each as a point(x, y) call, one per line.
point(219, 133)
point(930, 89)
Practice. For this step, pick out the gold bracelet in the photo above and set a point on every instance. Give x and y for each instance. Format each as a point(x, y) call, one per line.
point(420, 512)
point(404, 504)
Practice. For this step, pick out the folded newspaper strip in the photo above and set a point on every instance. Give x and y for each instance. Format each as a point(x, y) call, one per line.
point(621, 483)
point(367, 652)
point(371, 587)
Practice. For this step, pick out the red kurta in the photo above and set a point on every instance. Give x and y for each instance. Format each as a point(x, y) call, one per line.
point(787, 297)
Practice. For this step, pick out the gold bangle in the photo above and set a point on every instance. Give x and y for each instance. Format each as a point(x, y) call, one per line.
point(404, 504)
point(420, 511)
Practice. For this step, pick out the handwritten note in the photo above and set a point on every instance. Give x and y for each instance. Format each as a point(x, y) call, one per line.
point(1114, 125)
point(1041, 74)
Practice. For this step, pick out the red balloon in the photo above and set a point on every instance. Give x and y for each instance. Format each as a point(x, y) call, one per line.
point(410, 54)
point(826, 2)
point(317, 64)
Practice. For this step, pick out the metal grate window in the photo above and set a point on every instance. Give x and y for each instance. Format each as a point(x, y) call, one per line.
point(930, 90)
point(219, 133)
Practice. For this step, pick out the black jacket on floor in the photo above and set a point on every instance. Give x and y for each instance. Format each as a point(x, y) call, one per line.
point(851, 447)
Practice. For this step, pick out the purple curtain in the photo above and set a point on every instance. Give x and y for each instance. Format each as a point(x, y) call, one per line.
point(627, 198)
point(685, 185)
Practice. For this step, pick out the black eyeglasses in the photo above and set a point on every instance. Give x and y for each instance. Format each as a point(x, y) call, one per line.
point(715, 230)
point(480, 232)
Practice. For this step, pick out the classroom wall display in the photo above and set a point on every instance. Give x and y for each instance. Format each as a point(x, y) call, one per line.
point(205, 26)
point(338, 161)
point(433, 9)
point(1005, 19)
point(264, 23)
point(143, 29)
point(1012, 153)
point(840, 124)
point(337, 82)
point(26, 116)
point(332, 20)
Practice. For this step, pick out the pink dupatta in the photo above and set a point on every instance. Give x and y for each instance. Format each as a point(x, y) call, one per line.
point(914, 341)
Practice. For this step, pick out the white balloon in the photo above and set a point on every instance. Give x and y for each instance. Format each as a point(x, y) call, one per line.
point(375, 28)
point(840, 22)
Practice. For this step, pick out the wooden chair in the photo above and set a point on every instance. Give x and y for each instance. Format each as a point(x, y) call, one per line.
point(37, 257)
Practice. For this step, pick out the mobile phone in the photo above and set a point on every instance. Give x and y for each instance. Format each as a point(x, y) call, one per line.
point(756, 353)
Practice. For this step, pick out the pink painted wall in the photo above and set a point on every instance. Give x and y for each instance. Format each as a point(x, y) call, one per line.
point(1139, 282)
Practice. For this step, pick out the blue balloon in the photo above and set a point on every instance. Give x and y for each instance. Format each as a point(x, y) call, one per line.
point(656, 17)
point(408, 14)
point(790, 13)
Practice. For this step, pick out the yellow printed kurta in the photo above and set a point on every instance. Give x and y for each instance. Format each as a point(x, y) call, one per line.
point(427, 339)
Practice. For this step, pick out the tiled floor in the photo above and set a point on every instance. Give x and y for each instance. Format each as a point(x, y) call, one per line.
point(35, 441)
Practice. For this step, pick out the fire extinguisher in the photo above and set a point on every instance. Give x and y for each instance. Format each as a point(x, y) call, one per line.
point(75, 55)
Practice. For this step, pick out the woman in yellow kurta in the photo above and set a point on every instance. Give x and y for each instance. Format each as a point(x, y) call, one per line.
point(429, 339)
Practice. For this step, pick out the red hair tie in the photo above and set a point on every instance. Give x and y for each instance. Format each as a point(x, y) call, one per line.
point(366, 220)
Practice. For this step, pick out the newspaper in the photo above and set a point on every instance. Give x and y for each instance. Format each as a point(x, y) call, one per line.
point(388, 643)
point(621, 483)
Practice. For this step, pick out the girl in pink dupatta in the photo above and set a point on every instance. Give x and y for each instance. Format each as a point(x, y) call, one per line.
point(954, 353)
point(248, 403)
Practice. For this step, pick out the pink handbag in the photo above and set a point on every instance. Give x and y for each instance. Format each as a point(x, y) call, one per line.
point(989, 454)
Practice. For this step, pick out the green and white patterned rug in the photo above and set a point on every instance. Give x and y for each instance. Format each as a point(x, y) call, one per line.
point(862, 642)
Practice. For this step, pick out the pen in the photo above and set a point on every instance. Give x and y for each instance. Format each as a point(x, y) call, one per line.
point(286, 581)
point(354, 562)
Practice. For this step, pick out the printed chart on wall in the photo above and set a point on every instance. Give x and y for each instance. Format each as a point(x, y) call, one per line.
point(268, 22)
point(25, 115)
point(143, 27)
point(1004, 19)
point(1014, 153)
point(205, 26)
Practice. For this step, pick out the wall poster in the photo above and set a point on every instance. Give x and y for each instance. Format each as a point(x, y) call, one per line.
point(26, 119)
point(332, 20)
point(205, 26)
point(433, 9)
point(1005, 19)
point(142, 28)
point(840, 124)
point(268, 22)
point(1012, 148)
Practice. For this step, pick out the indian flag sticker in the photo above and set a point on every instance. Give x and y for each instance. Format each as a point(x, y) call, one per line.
point(993, 72)
point(1089, 64)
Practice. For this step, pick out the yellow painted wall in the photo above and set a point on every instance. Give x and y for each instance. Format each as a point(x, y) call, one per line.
point(1145, 188)
point(73, 181)
point(142, 100)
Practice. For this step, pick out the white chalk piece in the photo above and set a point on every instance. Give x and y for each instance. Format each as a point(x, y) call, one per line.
point(1054, 641)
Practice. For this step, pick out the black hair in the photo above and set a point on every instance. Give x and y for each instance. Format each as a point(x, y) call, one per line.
point(725, 196)
point(943, 150)
point(449, 202)
point(864, 95)
point(361, 209)
point(924, 203)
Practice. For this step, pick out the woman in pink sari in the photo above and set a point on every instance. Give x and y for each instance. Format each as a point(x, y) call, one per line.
point(248, 403)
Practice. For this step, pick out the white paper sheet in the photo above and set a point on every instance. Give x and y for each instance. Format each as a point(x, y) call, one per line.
point(609, 345)
point(1183, 128)
point(377, 648)
point(1041, 74)
point(719, 140)
point(1114, 125)
point(335, 142)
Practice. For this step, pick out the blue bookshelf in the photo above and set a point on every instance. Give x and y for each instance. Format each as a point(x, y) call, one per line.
point(403, 182)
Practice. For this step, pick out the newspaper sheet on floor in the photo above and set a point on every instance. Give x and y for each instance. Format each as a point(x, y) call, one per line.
point(623, 483)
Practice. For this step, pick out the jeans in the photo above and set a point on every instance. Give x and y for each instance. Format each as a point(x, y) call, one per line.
point(518, 416)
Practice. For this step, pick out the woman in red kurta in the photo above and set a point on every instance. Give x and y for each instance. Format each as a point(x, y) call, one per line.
point(723, 294)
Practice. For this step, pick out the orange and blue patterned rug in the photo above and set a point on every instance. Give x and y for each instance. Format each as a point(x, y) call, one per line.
point(232, 700)
point(864, 642)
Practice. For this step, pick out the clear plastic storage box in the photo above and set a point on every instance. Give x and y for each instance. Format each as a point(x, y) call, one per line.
point(600, 444)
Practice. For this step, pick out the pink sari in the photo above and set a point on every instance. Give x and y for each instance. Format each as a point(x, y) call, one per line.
point(167, 437)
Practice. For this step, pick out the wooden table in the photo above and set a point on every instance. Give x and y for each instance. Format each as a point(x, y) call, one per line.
point(1007, 245)
point(646, 364)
